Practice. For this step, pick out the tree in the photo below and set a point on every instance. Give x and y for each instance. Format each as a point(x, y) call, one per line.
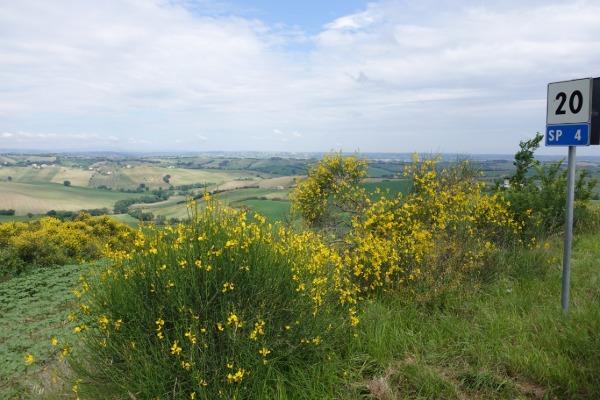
point(67, 183)
point(538, 197)
point(524, 160)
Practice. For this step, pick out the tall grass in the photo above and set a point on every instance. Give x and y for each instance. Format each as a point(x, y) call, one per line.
point(509, 340)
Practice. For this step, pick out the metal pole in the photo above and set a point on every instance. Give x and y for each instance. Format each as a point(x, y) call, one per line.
point(566, 277)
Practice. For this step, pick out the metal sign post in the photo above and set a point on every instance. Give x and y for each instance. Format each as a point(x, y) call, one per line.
point(571, 120)
point(566, 277)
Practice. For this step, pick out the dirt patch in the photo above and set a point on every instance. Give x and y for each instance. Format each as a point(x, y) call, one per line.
point(272, 183)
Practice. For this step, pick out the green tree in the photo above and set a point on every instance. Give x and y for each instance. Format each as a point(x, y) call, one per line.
point(524, 160)
point(538, 191)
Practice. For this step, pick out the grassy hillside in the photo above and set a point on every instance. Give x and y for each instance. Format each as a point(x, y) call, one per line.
point(76, 176)
point(22, 183)
point(37, 189)
point(40, 197)
point(393, 186)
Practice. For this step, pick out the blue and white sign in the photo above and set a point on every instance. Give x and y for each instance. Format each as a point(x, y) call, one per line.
point(568, 113)
point(568, 135)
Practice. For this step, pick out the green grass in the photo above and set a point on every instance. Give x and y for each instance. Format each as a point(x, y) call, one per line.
point(127, 219)
point(273, 210)
point(14, 218)
point(394, 186)
point(245, 194)
point(385, 170)
point(114, 181)
point(511, 340)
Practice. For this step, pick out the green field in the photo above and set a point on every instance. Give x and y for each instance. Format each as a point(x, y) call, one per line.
point(14, 218)
point(393, 187)
point(273, 210)
point(34, 189)
point(41, 197)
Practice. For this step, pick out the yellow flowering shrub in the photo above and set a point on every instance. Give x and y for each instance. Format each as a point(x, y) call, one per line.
point(331, 192)
point(220, 306)
point(444, 229)
point(48, 241)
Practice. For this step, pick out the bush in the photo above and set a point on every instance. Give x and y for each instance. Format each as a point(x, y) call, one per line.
point(415, 245)
point(331, 193)
point(11, 265)
point(49, 241)
point(538, 193)
point(216, 307)
point(141, 215)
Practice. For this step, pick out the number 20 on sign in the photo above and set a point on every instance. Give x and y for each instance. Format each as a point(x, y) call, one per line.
point(568, 113)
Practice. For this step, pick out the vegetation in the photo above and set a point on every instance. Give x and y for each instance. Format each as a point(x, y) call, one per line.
point(122, 206)
point(48, 241)
point(508, 340)
point(218, 306)
point(538, 197)
point(445, 230)
point(440, 290)
point(35, 310)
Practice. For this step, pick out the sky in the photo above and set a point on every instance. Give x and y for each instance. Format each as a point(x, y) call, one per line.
point(453, 76)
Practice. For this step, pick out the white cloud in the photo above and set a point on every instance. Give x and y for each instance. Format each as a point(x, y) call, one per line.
point(400, 75)
point(356, 21)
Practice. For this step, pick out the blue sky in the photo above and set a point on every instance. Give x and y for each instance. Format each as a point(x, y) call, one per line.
point(466, 76)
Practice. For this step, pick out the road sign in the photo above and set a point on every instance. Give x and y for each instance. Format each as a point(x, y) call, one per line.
point(572, 117)
point(568, 135)
point(569, 112)
point(569, 102)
